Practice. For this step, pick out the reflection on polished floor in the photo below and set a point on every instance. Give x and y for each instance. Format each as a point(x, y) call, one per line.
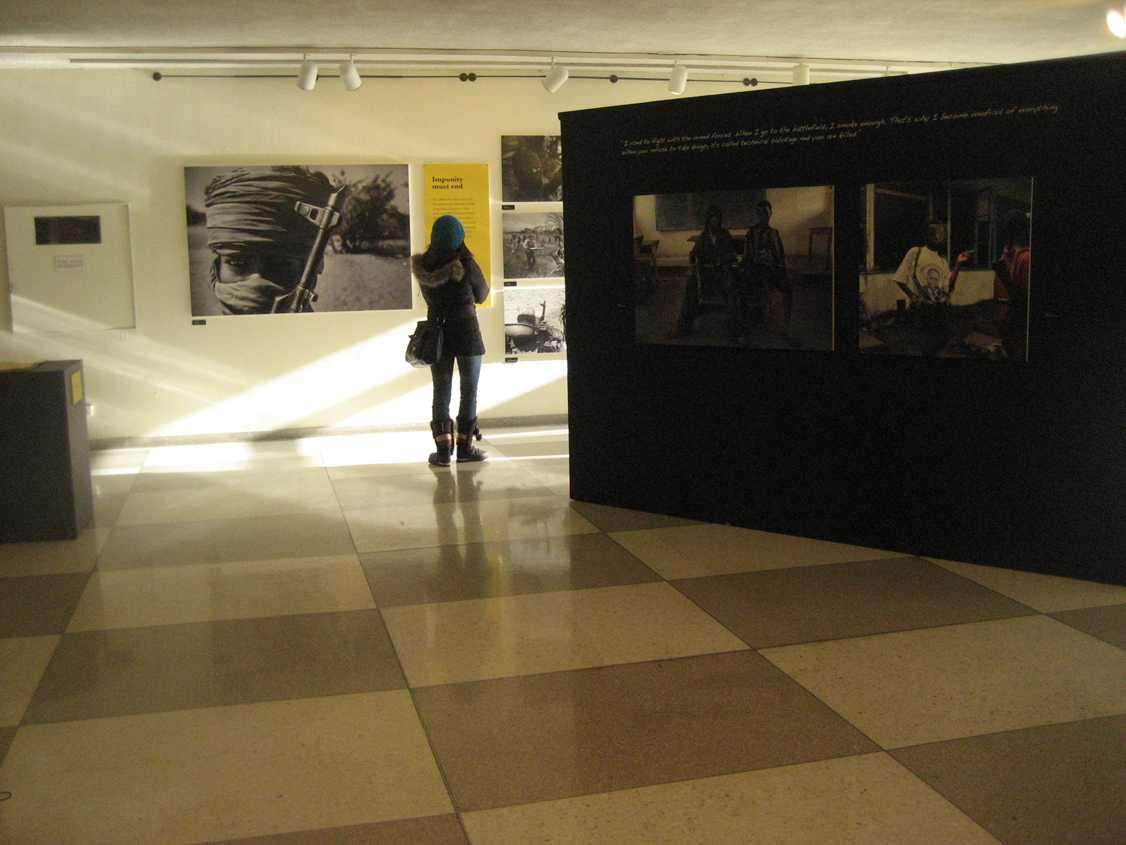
point(327, 641)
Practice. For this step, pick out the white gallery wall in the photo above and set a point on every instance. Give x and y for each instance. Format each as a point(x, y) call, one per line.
point(75, 137)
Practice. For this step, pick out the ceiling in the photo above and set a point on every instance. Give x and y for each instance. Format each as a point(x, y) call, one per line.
point(903, 35)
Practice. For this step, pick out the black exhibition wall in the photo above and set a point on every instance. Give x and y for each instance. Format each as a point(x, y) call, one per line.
point(1015, 463)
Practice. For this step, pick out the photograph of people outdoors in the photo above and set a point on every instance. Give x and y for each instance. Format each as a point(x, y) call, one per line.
point(298, 238)
point(533, 245)
point(946, 269)
point(747, 268)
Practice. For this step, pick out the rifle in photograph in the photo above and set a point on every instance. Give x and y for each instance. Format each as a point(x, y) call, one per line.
point(325, 218)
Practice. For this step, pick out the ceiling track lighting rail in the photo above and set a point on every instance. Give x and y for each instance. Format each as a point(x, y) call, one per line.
point(353, 66)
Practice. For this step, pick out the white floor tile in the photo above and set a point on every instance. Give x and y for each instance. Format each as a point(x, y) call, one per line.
point(914, 687)
point(694, 551)
point(1046, 593)
point(222, 773)
point(232, 496)
point(419, 526)
point(211, 592)
point(518, 635)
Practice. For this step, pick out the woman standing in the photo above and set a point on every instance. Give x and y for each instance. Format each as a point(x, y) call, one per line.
point(453, 286)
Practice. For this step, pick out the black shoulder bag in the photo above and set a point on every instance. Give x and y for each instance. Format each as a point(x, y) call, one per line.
point(425, 346)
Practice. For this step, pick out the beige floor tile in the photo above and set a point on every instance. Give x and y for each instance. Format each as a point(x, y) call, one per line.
point(866, 800)
point(52, 557)
point(384, 470)
point(416, 526)
point(393, 451)
point(22, 661)
point(254, 479)
point(517, 635)
point(221, 773)
point(210, 592)
point(226, 540)
point(110, 494)
point(235, 495)
point(693, 551)
point(112, 484)
point(107, 509)
point(541, 447)
point(914, 687)
point(530, 440)
point(1046, 593)
point(294, 463)
point(488, 570)
point(561, 489)
point(442, 485)
point(117, 461)
point(207, 457)
point(552, 473)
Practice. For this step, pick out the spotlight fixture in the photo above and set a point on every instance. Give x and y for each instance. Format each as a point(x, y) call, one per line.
point(1116, 20)
point(555, 77)
point(678, 78)
point(801, 74)
point(467, 77)
point(349, 75)
point(750, 83)
point(307, 75)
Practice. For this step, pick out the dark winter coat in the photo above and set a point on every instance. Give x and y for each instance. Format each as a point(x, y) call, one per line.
point(453, 287)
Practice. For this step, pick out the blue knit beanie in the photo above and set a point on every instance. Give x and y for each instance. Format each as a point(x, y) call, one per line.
point(447, 233)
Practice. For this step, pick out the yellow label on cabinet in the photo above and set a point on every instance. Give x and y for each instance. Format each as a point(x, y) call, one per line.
point(76, 387)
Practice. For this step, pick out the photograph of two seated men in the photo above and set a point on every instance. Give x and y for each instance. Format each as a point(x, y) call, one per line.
point(944, 270)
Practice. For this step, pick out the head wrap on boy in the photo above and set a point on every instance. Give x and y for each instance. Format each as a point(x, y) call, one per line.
point(256, 211)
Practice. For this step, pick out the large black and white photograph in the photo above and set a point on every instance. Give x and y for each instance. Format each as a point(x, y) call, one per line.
point(946, 269)
point(298, 239)
point(535, 321)
point(533, 245)
point(531, 168)
point(750, 268)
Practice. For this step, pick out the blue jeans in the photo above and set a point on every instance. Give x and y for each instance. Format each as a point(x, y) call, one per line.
point(469, 371)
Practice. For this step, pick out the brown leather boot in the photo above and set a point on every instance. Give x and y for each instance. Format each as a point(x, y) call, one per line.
point(443, 431)
point(466, 433)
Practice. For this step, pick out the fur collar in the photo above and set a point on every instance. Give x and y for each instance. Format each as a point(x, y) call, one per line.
point(454, 271)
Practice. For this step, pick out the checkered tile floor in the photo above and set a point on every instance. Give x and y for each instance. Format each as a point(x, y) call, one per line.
point(328, 641)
